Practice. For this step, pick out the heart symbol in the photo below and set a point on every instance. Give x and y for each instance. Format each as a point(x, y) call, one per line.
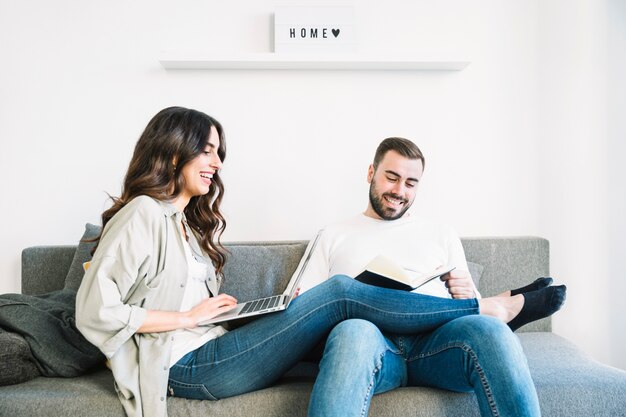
point(335, 32)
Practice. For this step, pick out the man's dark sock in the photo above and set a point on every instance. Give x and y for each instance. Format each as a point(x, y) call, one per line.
point(537, 284)
point(539, 304)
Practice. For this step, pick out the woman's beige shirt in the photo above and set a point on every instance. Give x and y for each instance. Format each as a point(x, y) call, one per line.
point(140, 265)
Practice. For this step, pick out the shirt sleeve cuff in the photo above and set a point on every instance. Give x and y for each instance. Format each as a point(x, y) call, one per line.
point(135, 320)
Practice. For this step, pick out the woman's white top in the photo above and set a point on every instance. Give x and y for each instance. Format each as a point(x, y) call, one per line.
point(188, 340)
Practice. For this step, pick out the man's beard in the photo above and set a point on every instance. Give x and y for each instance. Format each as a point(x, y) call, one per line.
point(385, 213)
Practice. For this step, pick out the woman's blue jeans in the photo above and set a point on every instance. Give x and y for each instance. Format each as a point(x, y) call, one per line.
point(254, 356)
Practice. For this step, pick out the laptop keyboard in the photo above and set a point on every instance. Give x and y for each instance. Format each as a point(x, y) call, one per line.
point(260, 304)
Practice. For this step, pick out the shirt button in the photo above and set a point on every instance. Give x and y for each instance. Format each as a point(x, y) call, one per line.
point(165, 368)
point(182, 285)
point(162, 398)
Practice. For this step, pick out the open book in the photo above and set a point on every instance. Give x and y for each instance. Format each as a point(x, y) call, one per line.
point(383, 272)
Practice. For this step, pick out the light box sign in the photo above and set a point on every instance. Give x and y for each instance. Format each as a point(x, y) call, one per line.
point(314, 29)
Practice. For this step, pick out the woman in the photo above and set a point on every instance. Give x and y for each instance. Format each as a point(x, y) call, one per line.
point(156, 272)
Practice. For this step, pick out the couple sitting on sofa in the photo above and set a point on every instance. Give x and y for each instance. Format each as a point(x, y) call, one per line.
point(157, 268)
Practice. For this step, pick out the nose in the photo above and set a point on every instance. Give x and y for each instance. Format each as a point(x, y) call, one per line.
point(398, 188)
point(216, 162)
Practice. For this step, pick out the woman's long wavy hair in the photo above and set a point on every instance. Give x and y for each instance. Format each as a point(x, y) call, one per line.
point(174, 137)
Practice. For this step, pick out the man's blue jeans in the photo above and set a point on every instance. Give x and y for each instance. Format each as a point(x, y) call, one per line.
point(472, 353)
point(254, 356)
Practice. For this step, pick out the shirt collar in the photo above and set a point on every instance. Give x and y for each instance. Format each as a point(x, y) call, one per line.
point(168, 208)
point(406, 218)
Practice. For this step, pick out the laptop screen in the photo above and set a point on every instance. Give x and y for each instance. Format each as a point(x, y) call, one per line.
point(299, 272)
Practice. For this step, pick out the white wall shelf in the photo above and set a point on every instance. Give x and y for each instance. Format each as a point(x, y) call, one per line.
point(270, 61)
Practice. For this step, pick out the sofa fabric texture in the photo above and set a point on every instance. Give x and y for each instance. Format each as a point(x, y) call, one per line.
point(17, 363)
point(46, 322)
point(569, 383)
point(83, 254)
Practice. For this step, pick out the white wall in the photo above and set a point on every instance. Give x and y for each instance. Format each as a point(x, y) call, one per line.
point(617, 175)
point(80, 80)
point(581, 131)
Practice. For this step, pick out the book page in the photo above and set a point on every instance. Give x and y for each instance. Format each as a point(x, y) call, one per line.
point(421, 279)
point(384, 266)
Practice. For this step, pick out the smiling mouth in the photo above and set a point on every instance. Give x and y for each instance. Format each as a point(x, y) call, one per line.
point(207, 178)
point(394, 201)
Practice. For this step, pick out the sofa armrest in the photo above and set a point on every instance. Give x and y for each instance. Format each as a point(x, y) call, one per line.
point(44, 268)
point(510, 262)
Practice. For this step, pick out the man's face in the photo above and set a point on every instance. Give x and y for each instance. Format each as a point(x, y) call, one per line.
point(392, 186)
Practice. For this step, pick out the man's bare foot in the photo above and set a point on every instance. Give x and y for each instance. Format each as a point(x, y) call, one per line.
point(504, 308)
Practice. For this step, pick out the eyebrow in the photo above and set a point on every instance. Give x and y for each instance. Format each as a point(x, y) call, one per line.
point(388, 171)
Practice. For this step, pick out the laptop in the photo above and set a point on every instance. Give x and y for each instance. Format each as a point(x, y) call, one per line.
point(273, 303)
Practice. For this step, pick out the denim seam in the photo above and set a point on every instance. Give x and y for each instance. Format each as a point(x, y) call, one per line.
point(308, 315)
point(401, 345)
point(365, 409)
point(477, 367)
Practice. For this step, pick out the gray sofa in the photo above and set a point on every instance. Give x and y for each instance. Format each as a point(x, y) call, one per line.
point(569, 383)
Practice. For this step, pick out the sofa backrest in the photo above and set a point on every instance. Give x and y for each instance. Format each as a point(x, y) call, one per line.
point(257, 269)
point(260, 269)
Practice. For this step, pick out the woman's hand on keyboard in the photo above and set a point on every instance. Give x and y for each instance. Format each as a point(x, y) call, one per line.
point(211, 307)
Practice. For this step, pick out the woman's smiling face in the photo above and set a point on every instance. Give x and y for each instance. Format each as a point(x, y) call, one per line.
point(198, 173)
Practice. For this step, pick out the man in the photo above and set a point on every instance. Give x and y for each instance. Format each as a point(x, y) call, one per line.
point(474, 353)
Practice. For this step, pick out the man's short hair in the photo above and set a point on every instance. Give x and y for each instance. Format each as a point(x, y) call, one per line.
point(403, 146)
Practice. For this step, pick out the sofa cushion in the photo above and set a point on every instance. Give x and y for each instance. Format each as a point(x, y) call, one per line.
point(568, 382)
point(260, 270)
point(17, 364)
point(82, 255)
point(264, 269)
point(571, 383)
point(476, 271)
